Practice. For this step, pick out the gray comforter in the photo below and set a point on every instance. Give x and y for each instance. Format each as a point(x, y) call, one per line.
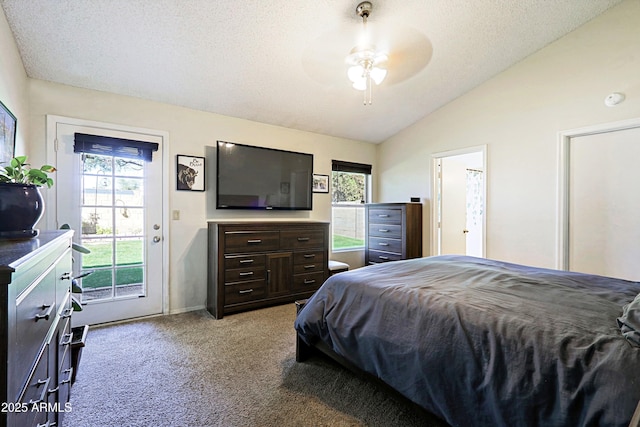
point(485, 343)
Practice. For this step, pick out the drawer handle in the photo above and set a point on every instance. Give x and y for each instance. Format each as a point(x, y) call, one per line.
point(48, 424)
point(254, 241)
point(245, 291)
point(47, 313)
point(67, 313)
point(383, 230)
point(66, 339)
point(383, 215)
point(43, 395)
point(383, 257)
point(68, 380)
point(303, 239)
point(53, 390)
point(245, 273)
point(309, 267)
point(307, 256)
point(309, 281)
point(65, 276)
point(383, 244)
point(246, 261)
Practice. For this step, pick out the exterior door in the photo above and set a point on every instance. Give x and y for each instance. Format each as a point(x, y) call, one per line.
point(114, 204)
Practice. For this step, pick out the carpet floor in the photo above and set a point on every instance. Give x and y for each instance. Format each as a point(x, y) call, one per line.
point(193, 370)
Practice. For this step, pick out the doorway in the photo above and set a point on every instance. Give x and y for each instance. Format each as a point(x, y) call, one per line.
point(459, 189)
point(115, 206)
point(599, 229)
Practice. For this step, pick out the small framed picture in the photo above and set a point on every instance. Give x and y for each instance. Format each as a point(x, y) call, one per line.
point(7, 135)
point(189, 173)
point(320, 183)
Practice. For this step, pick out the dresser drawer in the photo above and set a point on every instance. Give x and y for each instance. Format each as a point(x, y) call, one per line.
point(63, 276)
point(65, 370)
point(244, 291)
point(242, 261)
point(299, 239)
point(35, 392)
point(393, 231)
point(64, 337)
point(386, 245)
point(251, 241)
point(308, 282)
point(305, 257)
point(379, 256)
point(244, 274)
point(309, 267)
point(385, 216)
point(35, 313)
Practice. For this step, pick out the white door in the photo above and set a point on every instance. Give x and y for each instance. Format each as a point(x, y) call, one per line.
point(453, 200)
point(604, 201)
point(114, 204)
point(459, 202)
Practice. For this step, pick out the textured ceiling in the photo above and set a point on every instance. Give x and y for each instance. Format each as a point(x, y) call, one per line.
point(281, 61)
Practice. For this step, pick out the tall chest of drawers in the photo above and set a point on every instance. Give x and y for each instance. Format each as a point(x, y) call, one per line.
point(393, 232)
point(35, 329)
point(257, 264)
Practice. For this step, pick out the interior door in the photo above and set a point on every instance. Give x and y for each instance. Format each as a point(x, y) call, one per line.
point(604, 225)
point(115, 206)
point(453, 199)
point(459, 203)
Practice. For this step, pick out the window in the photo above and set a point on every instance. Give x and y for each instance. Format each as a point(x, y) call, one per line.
point(350, 189)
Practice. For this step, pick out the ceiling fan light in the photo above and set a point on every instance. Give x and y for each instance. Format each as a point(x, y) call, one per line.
point(355, 73)
point(378, 74)
point(360, 84)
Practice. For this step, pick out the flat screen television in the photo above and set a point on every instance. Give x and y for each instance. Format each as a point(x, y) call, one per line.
point(251, 177)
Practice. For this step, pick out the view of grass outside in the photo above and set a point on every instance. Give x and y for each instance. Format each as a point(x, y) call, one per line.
point(348, 195)
point(344, 242)
point(128, 253)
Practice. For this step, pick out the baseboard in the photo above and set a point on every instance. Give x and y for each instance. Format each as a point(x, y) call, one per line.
point(187, 309)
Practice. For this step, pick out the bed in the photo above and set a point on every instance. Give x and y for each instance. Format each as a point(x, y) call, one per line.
point(478, 342)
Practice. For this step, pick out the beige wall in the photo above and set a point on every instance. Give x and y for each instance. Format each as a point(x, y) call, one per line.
point(13, 84)
point(518, 115)
point(192, 133)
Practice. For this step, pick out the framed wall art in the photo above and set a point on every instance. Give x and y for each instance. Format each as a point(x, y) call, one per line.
point(7, 135)
point(320, 183)
point(190, 173)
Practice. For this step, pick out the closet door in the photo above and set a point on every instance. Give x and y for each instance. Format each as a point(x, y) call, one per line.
point(604, 204)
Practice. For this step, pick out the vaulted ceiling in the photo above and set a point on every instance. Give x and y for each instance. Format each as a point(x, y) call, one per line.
point(282, 62)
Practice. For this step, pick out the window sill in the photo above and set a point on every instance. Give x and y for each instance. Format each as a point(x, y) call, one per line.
point(345, 250)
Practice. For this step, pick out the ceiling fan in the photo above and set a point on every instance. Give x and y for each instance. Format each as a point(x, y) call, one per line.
point(377, 52)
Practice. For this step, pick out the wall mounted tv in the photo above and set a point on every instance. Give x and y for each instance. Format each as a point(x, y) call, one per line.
point(251, 177)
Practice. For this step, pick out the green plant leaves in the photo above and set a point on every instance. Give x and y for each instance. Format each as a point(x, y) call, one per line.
point(19, 172)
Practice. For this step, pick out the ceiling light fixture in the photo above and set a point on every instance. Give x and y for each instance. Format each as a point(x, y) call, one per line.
point(365, 61)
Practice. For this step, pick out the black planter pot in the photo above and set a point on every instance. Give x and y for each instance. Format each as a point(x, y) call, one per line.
point(21, 206)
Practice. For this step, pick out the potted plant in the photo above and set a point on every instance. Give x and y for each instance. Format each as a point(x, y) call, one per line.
point(21, 204)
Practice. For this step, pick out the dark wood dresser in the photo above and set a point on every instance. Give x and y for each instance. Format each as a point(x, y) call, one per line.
point(257, 264)
point(393, 232)
point(35, 329)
